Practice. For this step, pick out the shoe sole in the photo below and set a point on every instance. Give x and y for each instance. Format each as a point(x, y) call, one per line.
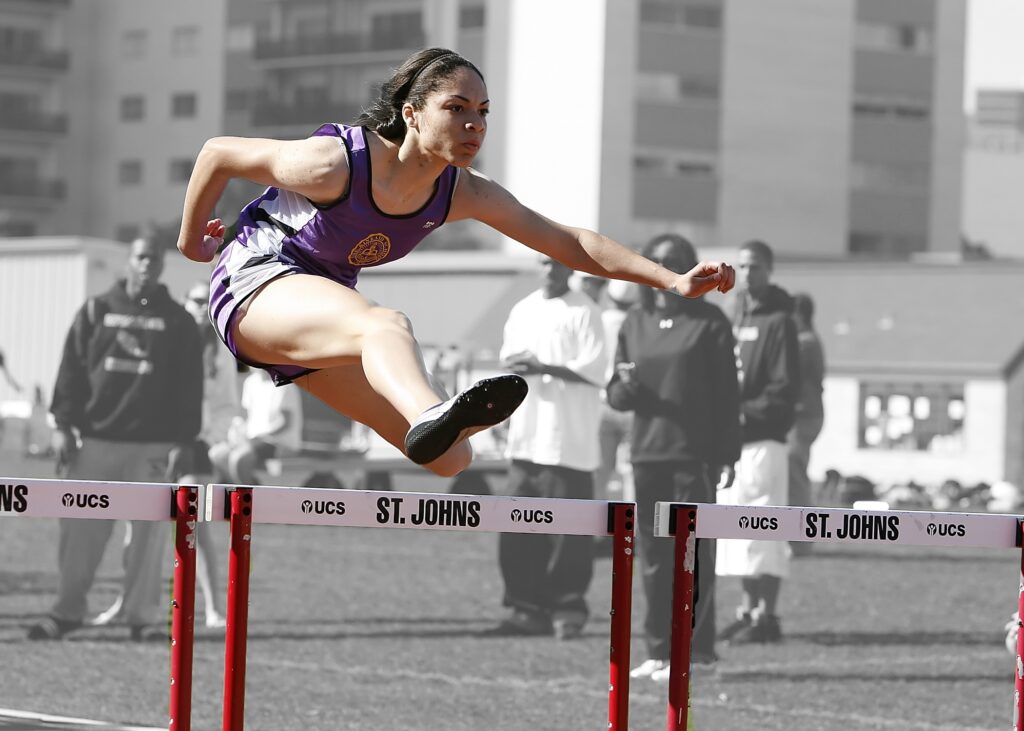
point(484, 404)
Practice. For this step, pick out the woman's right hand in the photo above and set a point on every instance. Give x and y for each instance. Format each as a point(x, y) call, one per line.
point(213, 238)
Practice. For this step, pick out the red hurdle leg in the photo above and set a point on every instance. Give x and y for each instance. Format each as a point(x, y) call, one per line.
point(621, 516)
point(684, 525)
point(237, 608)
point(183, 607)
point(1018, 686)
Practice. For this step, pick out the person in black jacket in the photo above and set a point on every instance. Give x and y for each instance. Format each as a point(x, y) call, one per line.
point(127, 406)
point(675, 369)
point(768, 359)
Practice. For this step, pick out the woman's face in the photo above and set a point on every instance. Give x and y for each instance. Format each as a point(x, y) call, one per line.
point(453, 121)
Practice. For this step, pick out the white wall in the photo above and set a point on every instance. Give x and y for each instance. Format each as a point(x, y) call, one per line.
point(554, 108)
point(981, 460)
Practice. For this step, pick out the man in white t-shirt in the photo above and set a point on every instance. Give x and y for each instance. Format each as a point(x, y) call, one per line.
point(555, 340)
point(273, 426)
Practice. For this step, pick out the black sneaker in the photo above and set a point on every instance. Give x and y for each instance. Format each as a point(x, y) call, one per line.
point(521, 624)
point(52, 628)
point(763, 630)
point(742, 622)
point(485, 403)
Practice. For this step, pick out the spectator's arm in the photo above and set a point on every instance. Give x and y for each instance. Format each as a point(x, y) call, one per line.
point(725, 412)
point(188, 365)
point(622, 395)
point(71, 389)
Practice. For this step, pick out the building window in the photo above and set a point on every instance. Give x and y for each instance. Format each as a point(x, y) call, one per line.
point(17, 228)
point(183, 105)
point(129, 172)
point(891, 177)
point(133, 43)
point(238, 100)
point(471, 17)
point(127, 232)
point(694, 15)
point(397, 30)
point(917, 417)
point(15, 41)
point(133, 108)
point(885, 245)
point(185, 41)
point(654, 86)
point(903, 38)
point(240, 38)
point(180, 169)
point(893, 107)
point(674, 164)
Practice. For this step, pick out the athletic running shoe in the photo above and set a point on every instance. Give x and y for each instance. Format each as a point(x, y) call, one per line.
point(743, 620)
point(484, 404)
point(648, 668)
point(765, 628)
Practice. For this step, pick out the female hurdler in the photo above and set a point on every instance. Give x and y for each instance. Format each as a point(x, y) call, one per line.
point(283, 293)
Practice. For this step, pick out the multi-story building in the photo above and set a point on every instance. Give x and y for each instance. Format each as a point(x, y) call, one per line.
point(35, 95)
point(994, 173)
point(826, 128)
point(103, 107)
point(157, 96)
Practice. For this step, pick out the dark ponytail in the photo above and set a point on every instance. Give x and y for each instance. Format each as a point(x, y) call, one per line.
point(413, 81)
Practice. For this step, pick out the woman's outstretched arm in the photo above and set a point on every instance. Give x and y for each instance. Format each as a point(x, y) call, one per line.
point(581, 249)
point(316, 167)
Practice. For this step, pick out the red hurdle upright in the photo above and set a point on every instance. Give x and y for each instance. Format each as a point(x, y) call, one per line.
point(185, 511)
point(1018, 680)
point(683, 522)
point(237, 608)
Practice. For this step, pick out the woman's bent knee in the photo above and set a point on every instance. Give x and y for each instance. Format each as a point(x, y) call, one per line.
point(384, 318)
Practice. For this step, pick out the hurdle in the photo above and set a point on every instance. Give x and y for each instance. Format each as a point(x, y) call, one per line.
point(687, 522)
point(244, 505)
point(32, 498)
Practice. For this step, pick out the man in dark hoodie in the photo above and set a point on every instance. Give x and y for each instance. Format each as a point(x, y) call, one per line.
point(127, 405)
point(769, 372)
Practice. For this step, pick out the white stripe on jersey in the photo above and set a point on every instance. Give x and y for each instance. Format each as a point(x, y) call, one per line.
point(291, 209)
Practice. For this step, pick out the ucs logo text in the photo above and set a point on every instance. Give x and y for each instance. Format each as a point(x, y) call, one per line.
point(759, 522)
point(85, 500)
point(532, 516)
point(323, 507)
point(946, 529)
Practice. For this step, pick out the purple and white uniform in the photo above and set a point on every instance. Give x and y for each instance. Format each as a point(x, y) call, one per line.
point(282, 233)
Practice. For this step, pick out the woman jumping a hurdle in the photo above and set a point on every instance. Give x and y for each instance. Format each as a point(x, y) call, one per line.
point(283, 293)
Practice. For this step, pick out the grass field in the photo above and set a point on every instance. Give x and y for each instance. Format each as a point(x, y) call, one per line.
point(374, 630)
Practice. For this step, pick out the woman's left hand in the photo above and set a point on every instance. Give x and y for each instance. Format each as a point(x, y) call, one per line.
point(704, 277)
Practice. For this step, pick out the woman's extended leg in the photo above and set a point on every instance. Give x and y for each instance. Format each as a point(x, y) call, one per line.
point(312, 321)
point(347, 390)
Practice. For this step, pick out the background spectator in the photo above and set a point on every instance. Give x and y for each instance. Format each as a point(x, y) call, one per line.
point(553, 338)
point(810, 410)
point(769, 376)
point(130, 388)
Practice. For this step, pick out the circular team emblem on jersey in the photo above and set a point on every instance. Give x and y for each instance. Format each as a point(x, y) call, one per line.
point(372, 249)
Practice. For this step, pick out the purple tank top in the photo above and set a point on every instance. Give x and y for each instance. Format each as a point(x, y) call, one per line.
point(339, 239)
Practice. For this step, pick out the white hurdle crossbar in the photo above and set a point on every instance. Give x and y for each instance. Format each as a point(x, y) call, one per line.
point(32, 498)
point(245, 505)
point(687, 522)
